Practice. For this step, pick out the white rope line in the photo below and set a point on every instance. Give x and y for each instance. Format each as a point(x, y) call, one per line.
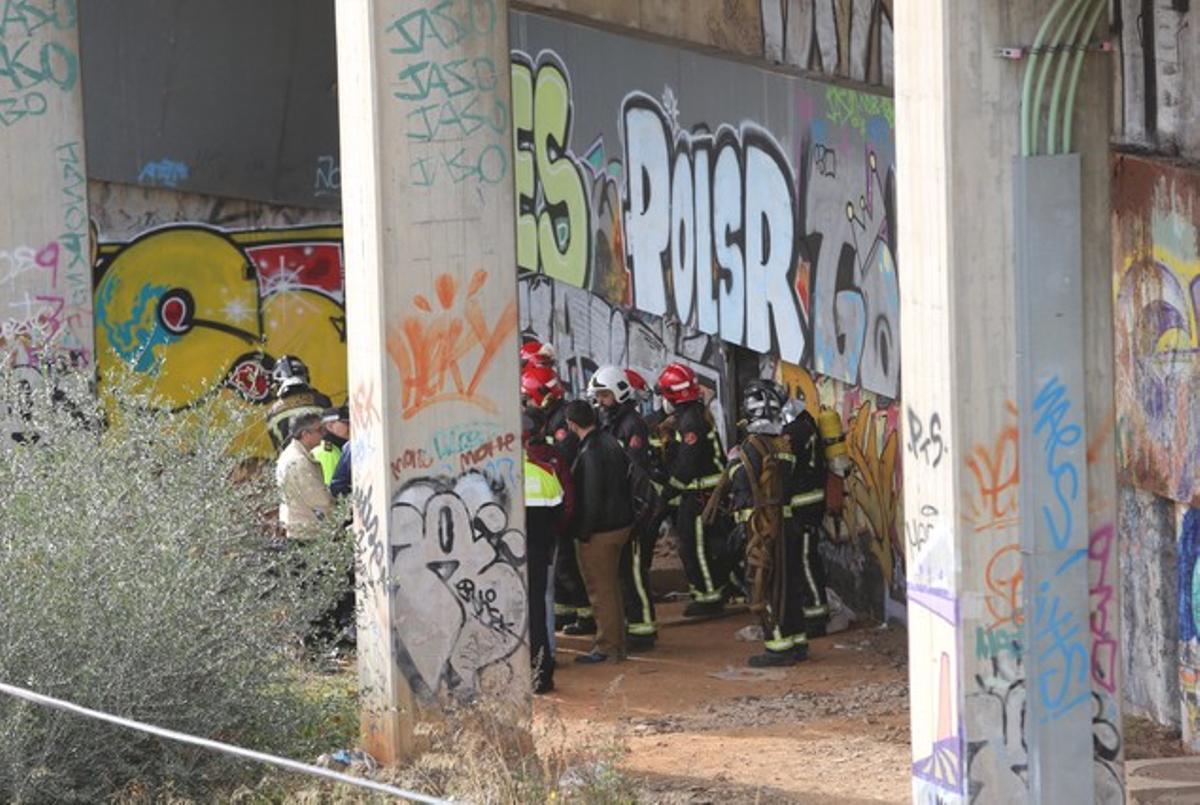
point(217, 746)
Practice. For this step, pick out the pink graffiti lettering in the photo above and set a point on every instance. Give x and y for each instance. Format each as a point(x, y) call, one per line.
point(1104, 645)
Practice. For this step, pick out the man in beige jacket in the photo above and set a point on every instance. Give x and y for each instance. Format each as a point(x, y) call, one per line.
point(304, 499)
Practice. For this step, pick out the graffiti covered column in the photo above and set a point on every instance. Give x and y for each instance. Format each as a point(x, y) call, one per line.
point(431, 309)
point(45, 263)
point(991, 675)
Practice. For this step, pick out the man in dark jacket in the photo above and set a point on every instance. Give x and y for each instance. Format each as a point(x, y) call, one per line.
point(604, 516)
point(617, 407)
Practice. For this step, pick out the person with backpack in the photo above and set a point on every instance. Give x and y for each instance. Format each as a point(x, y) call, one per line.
point(616, 402)
point(763, 493)
point(693, 467)
point(542, 389)
point(806, 507)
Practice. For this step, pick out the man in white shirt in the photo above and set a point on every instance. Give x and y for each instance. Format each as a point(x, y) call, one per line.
point(304, 499)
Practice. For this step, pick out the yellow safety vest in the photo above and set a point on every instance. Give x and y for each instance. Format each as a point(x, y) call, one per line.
point(541, 486)
point(327, 455)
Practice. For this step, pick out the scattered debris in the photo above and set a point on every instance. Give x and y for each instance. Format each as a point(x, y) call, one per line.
point(352, 761)
point(750, 634)
point(732, 674)
point(869, 700)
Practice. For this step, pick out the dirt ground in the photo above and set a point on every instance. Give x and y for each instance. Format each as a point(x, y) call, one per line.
point(700, 726)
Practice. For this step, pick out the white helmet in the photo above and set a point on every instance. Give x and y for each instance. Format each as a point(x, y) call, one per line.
point(611, 378)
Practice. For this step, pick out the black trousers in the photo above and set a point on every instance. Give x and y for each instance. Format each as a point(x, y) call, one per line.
point(704, 549)
point(539, 551)
point(570, 594)
point(636, 558)
point(805, 523)
point(783, 621)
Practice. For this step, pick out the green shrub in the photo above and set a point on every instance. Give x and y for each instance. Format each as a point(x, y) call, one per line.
point(136, 578)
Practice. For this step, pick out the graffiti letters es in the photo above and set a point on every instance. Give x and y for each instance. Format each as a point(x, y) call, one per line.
point(553, 227)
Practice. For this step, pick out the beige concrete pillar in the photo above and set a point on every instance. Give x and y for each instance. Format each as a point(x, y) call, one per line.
point(45, 258)
point(957, 122)
point(431, 310)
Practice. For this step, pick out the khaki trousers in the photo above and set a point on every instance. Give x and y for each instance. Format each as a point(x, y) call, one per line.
point(600, 561)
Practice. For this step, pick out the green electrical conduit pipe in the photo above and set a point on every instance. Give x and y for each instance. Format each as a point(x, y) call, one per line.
point(1035, 111)
point(1076, 69)
point(1060, 73)
point(1027, 85)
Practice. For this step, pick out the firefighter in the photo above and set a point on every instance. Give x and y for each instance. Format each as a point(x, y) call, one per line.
point(294, 397)
point(694, 463)
point(813, 451)
point(617, 402)
point(535, 353)
point(764, 486)
point(541, 389)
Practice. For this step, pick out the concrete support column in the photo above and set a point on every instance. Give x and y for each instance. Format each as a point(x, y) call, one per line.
point(431, 309)
point(45, 258)
point(1014, 687)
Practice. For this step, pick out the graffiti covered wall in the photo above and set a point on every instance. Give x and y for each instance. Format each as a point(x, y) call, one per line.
point(671, 205)
point(759, 214)
point(1156, 288)
point(1157, 297)
point(205, 306)
point(45, 301)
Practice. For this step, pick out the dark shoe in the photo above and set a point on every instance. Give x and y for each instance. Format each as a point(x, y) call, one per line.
point(773, 659)
point(800, 652)
point(581, 626)
point(639, 643)
point(703, 609)
point(592, 658)
point(816, 629)
point(543, 686)
point(561, 622)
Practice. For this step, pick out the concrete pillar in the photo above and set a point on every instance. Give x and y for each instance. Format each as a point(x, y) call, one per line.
point(1005, 707)
point(45, 258)
point(431, 309)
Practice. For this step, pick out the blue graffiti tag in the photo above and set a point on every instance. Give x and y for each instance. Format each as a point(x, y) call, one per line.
point(1060, 634)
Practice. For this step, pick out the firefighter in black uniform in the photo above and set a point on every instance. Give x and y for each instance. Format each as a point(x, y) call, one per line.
point(763, 484)
point(617, 402)
point(694, 464)
point(541, 388)
point(294, 397)
point(807, 509)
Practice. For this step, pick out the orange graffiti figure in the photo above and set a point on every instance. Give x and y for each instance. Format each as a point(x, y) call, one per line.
point(1004, 576)
point(431, 349)
point(997, 477)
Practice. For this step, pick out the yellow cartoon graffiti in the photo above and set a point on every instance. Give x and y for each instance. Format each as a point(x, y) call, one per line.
point(194, 311)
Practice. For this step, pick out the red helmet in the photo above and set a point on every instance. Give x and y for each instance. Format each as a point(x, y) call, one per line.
point(637, 381)
point(535, 353)
point(540, 385)
point(677, 384)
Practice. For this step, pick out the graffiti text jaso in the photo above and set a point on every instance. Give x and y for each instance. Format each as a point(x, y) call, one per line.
point(717, 213)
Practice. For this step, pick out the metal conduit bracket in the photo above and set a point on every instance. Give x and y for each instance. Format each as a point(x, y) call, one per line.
point(1018, 52)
